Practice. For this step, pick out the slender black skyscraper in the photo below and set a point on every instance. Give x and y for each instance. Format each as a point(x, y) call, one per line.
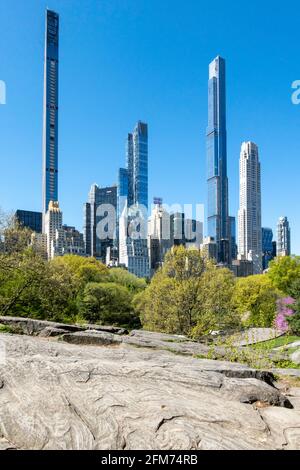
point(218, 220)
point(50, 115)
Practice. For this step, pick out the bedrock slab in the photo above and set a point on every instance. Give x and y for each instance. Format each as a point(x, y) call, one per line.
point(56, 395)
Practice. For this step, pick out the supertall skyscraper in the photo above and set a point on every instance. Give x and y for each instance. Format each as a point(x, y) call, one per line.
point(218, 220)
point(250, 232)
point(50, 116)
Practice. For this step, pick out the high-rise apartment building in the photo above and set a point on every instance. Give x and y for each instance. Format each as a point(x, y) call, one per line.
point(133, 191)
point(137, 165)
point(50, 113)
point(217, 181)
point(283, 237)
point(100, 221)
point(159, 236)
point(53, 230)
point(250, 233)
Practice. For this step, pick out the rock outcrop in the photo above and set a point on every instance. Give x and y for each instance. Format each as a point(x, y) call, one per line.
point(55, 395)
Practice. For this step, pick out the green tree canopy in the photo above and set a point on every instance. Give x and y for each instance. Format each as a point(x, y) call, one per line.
point(284, 271)
point(255, 299)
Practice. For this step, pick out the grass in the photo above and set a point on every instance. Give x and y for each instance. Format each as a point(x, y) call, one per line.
point(6, 329)
point(276, 342)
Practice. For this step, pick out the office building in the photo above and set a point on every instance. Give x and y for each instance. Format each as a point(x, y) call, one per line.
point(267, 246)
point(50, 113)
point(100, 221)
point(250, 232)
point(29, 219)
point(209, 248)
point(283, 237)
point(233, 244)
point(217, 181)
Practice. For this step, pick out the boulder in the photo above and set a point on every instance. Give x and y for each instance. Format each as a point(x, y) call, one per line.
point(295, 357)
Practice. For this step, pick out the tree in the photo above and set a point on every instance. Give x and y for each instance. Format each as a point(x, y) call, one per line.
point(121, 276)
point(255, 299)
point(284, 271)
point(214, 301)
point(82, 270)
point(188, 295)
point(107, 303)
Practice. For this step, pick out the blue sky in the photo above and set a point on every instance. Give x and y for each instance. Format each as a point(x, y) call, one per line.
point(121, 61)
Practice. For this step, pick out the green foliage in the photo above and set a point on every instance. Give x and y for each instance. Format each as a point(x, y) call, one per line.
point(294, 324)
point(284, 272)
point(107, 303)
point(66, 289)
point(126, 279)
point(188, 295)
point(255, 299)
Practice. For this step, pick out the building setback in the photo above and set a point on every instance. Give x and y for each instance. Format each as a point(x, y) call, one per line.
point(50, 112)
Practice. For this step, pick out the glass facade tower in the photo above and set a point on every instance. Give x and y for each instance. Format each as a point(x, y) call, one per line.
point(50, 115)
point(217, 181)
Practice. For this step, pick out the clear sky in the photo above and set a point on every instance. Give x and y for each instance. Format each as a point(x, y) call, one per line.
point(124, 60)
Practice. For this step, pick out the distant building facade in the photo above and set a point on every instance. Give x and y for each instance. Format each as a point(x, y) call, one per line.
point(283, 237)
point(133, 203)
point(216, 141)
point(53, 230)
point(250, 233)
point(30, 219)
point(267, 246)
point(96, 212)
point(50, 115)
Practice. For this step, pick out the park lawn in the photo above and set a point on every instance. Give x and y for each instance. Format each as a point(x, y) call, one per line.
point(277, 342)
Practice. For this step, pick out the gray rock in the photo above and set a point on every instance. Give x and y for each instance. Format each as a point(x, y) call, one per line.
point(33, 327)
point(109, 329)
point(175, 343)
point(64, 396)
point(295, 357)
point(256, 335)
point(254, 390)
point(50, 332)
point(91, 337)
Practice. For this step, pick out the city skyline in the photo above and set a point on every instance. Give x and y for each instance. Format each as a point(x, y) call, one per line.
point(105, 179)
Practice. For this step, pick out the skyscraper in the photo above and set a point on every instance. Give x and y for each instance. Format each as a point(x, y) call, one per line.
point(133, 191)
point(267, 246)
point(50, 114)
point(283, 237)
point(96, 243)
point(233, 246)
point(137, 165)
point(250, 233)
point(217, 181)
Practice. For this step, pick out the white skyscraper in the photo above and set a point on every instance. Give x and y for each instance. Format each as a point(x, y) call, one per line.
point(249, 224)
point(283, 237)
